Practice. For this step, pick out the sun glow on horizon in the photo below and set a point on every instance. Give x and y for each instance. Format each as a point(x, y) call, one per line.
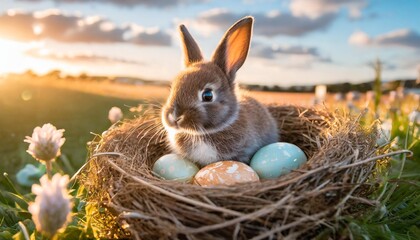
point(14, 60)
point(44, 56)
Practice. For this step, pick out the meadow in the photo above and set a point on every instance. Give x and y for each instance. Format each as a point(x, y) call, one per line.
point(25, 105)
point(82, 110)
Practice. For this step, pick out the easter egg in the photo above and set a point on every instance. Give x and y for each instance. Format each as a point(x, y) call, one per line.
point(174, 167)
point(225, 173)
point(277, 159)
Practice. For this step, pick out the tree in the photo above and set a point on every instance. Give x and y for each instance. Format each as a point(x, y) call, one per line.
point(54, 74)
point(30, 73)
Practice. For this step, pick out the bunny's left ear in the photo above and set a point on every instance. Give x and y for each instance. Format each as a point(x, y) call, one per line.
point(233, 48)
point(192, 52)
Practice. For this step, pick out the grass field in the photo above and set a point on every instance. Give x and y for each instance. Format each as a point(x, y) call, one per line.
point(24, 106)
point(82, 110)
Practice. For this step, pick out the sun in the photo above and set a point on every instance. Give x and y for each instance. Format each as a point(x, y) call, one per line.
point(13, 58)
point(37, 29)
point(10, 52)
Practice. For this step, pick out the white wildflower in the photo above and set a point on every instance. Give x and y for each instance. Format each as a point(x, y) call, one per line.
point(353, 96)
point(384, 133)
point(338, 97)
point(51, 210)
point(400, 92)
point(392, 96)
point(414, 117)
point(45, 143)
point(115, 114)
point(320, 93)
point(416, 97)
point(370, 96)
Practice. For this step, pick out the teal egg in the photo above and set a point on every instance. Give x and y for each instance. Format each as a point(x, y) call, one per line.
point(277, 159)
point(174, 167)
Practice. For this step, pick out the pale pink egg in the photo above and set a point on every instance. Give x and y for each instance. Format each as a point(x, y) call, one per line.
point(225, 173)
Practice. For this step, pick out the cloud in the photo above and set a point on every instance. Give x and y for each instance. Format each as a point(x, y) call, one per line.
point(152, 36)
point(403, 37)
point(289, 56)
point(130, 3)
point(318, 8)
point(75, 58)
point(359, 38)
point(53, 24)
point(270, 24)
point(411, 63)
point(270, 52)
point(399, 38)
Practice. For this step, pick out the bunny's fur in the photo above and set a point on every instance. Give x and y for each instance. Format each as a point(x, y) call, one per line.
point(231, 126)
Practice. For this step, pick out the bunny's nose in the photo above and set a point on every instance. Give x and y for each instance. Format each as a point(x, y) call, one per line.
point(174, 119)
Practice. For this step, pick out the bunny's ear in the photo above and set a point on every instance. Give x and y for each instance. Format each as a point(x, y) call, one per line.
point(233, 48)
point(191, 50)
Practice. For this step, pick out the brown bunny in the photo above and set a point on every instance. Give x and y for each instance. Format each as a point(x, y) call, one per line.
point(206, 118)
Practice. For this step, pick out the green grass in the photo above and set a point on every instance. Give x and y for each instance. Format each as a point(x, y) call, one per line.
point(78, 113)
point(398, 214)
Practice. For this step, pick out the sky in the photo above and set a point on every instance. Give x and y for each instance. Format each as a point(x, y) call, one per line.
point(295, 42)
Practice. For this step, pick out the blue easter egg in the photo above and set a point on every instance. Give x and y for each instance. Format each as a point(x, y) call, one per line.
point(174, 167)
point(277, 159)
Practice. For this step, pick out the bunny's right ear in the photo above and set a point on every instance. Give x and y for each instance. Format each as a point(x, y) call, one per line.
point(233, 49)
point(192, 52)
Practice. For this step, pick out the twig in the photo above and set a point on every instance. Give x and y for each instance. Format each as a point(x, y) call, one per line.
point(108, 153)
point(290, 225)
point(365, 201)
point(376, 158)
point(249, 216)
point(293, 180)
point(93, 156)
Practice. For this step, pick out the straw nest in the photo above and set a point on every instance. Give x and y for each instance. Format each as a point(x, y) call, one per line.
point(129, 202)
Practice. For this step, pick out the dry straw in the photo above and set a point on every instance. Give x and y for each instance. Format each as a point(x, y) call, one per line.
point(335, 182)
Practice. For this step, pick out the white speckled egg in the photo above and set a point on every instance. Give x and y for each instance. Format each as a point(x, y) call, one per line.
point(174, 167)
point(225, 173)
point(277, 159)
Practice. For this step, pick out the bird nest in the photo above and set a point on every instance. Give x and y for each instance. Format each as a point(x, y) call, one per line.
point(127, 201)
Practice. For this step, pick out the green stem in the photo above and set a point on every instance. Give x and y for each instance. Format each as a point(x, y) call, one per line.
point(10, 184)
point(48, 165)
point(401, 168)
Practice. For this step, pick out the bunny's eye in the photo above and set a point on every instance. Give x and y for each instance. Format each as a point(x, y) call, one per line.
point(207, 95)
